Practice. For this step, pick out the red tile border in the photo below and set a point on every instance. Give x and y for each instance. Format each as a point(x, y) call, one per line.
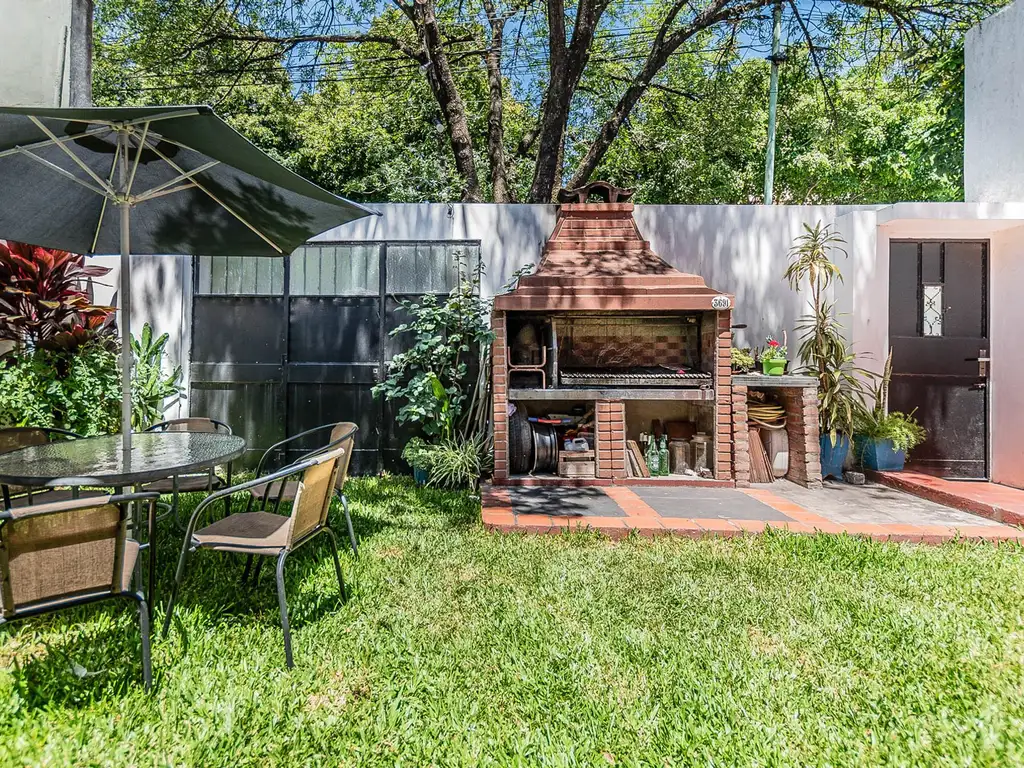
point(995, 502)
point(497, 515)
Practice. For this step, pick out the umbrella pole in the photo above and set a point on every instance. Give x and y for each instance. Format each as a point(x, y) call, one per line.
point(126, 335)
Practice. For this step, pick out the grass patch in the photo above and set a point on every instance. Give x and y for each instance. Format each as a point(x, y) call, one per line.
point(461, 647)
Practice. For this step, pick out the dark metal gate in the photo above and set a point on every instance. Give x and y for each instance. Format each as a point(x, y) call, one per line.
point(283, 345)
point(938, 330)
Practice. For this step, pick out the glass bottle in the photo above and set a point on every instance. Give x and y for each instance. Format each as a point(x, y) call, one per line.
point(652, 457)
point(663, 457)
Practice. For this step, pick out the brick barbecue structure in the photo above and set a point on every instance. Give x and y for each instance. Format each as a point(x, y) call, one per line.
point(607, 330)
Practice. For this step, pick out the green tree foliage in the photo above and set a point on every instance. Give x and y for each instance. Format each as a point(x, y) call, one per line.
point(347, 93)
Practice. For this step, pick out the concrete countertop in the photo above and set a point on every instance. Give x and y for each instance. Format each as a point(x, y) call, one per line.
point(760, 380)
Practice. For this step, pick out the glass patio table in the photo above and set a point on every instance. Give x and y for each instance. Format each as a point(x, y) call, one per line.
point(100, 461)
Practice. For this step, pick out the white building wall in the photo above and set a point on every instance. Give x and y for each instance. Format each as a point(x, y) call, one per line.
point(994, 108)
point(1006, 395)
point(44, 59)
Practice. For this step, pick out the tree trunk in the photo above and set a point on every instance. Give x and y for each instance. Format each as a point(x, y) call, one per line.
point(664, 46)
point(442, 83)
point(496, 110)
point(566, 67)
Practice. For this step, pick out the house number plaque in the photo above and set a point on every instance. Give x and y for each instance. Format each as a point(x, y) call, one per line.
point(720, 302)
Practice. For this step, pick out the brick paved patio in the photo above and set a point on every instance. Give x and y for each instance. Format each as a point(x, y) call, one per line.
point(873, 510)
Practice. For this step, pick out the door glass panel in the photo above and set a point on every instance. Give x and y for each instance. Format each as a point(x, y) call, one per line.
point(931, 318)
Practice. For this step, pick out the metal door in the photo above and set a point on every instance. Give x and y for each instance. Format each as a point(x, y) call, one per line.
point(280, 346)
point(938, 330)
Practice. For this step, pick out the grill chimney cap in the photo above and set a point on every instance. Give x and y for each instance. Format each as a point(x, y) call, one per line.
point(600, 189)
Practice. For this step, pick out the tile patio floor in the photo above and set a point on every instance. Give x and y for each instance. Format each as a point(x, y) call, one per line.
point(873, 510)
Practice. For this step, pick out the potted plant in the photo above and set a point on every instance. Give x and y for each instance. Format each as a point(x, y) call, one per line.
point(741, 359)
point(773, 357)
point(418, 454)
point(885, 437)
point(823, 349)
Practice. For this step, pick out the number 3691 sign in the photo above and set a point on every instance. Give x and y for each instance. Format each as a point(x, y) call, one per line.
point(721, 302)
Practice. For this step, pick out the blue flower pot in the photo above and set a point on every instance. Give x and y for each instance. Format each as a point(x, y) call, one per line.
point(833, 456)
point(420, 476)
point(880, 455)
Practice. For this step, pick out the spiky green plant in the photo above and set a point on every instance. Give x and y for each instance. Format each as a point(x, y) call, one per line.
point(823, 349)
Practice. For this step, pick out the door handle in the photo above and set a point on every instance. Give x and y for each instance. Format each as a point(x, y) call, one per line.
point(980, 386)
point(982, 360)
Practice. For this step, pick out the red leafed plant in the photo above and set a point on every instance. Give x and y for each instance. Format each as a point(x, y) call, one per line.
point(43, 301)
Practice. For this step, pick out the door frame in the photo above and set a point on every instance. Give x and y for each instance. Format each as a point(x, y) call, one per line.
point(986, 314)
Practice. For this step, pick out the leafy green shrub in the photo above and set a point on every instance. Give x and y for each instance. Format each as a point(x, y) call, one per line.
point(902, 428)
point(150, 386)
point(742, 360)
point(79, 391)
point(417, 454)
point(455, 463)
point(430, 379)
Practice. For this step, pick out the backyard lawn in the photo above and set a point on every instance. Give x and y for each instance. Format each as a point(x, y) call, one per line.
point(461, 647)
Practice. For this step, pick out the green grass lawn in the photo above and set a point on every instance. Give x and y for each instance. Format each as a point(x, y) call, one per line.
point(461, 647)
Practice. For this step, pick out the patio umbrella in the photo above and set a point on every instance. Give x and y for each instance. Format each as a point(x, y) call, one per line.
point(152, 180)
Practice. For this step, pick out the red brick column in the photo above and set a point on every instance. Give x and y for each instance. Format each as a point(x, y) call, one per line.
point(724, 406)
point(499, 395)
point(802, 425)
point(610, 436)
point(740, 436)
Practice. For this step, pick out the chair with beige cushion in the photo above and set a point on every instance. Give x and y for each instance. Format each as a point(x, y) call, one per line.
point(274, 494)
point(15, 438)
point(70, 553)
point(198, 482)
point(266, 534)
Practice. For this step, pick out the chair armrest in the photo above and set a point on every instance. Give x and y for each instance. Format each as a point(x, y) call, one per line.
point(281, 443)
point(206, 503)
point(40, 510)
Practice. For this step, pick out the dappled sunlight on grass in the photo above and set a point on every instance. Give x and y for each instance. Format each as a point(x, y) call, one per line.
point(462, 647)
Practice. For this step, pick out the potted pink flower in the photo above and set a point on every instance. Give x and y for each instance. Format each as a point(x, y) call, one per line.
point(773, 357)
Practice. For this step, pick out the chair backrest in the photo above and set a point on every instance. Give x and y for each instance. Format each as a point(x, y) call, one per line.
point(191, 424)
point(347, 430)
point(314, 494)
point(66, 549)
point(13, 438)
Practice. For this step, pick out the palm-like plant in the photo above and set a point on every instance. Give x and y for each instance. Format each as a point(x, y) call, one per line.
point(43, 299)
point(823, 350)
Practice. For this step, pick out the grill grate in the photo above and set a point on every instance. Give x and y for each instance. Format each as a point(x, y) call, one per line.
point(655, 376)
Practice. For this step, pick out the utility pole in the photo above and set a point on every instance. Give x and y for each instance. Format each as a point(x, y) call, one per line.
point(773, 101)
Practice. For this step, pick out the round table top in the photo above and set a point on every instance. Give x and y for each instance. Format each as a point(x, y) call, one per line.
point(101, 460)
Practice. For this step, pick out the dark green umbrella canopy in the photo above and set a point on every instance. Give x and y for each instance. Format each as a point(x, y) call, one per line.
point(153, 180)
point(196, 186)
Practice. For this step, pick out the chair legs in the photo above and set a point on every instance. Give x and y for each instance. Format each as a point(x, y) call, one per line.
point(337, 563)
point(282, 604)
point(351, 530)
point(147, 663)
point(179, 574)
point(282, 598)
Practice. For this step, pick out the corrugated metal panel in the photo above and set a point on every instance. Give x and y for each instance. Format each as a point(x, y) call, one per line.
point(336, 270)
point(240, 276)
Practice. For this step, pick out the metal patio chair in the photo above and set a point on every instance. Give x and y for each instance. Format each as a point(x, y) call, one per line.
point(70, 553)
point(14, 438)
point(192, 483)
point(265, 534)
point(342, 434)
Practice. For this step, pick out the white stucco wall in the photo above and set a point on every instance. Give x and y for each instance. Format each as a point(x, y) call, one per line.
point(1006, 395)
point(43, 58)
point(741, 250)
point(994, 108)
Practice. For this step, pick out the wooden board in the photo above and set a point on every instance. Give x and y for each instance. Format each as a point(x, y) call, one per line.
point(634, 449)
